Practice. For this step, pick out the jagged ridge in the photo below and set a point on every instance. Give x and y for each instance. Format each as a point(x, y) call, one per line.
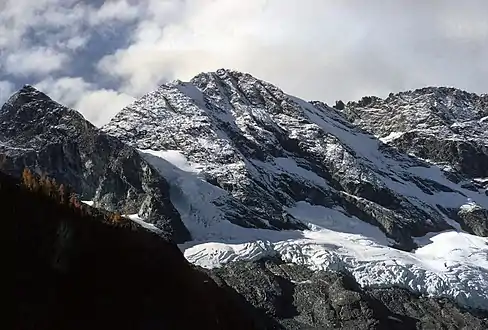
point(269, 150)
point(447, 126)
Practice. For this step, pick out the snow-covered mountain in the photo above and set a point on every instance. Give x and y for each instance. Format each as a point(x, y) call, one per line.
point(253, 172)
point(446, 126)
point(245, 154)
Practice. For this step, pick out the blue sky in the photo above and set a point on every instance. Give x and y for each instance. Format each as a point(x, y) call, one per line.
point(98, 56)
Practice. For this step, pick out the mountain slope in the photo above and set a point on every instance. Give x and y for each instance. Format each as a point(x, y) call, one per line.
point(50, 139)
point(243, 158)
point(447, 126)
point(266, 151)
point(75, 270)
point(72, 270)
point(303, 299)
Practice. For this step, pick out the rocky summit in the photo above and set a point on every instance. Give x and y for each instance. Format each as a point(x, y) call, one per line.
point(369, 215)
point(267, 150)
point(50, 139)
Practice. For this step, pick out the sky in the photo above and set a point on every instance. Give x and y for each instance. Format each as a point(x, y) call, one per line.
point(98, 56)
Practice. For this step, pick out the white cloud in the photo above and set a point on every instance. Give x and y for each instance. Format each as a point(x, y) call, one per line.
point(318, 49)
point(66, 90)
point(73, 43)
point(97, 105)
point(35, 61)
point(19, 16)
point(6, 90)
point(115, 10)
point(466, 22)
point(37, 37)
point(321, 49)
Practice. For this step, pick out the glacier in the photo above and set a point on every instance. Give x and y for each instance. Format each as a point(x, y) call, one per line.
point(451, 264)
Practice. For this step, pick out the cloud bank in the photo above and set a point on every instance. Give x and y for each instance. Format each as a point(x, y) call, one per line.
point(97, 57)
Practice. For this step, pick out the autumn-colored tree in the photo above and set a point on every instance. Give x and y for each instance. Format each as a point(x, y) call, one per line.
point(42, 182)
point(55, 190)
point(46, 185)
point(28, 179)
point(116, 217)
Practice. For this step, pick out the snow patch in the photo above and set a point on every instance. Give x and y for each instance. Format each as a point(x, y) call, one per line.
point(392, 136)
point(176, 158)
point(470, 207)
point(140, 221)
point(319, 217)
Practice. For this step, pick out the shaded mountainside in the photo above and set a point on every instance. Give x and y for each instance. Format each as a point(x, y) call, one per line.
point(50, 139)
point(447, 126)
point(73, 269)
point(263, 151)
point(303, 299)
point(77, 271)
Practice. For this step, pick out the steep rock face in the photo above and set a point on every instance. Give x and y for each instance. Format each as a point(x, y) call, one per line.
point(267, 150)
point(40, 134)
point(302, 299)
point(444, 125)
point(475, 218)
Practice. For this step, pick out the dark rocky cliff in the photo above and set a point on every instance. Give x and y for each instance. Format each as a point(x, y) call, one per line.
point(50, 139)
point(303, 299)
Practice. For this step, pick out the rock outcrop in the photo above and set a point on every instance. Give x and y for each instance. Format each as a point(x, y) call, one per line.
point(303, 299)
point(50, 139)
point(447, 126)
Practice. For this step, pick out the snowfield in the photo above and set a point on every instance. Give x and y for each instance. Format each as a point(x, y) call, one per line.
point(450, 264)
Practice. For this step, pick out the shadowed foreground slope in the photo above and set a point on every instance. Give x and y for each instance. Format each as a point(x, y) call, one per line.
point(75, 271)
point(79, 268)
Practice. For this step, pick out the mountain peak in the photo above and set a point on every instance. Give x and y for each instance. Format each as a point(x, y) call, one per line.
point(445, 104)
point(29, 88)
point(27, 94)
point(440, 92)
point(222, 74)
point(29, 102)
point(34, 113)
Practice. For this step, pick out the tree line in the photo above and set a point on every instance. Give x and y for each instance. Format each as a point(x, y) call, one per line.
point(64, 195)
